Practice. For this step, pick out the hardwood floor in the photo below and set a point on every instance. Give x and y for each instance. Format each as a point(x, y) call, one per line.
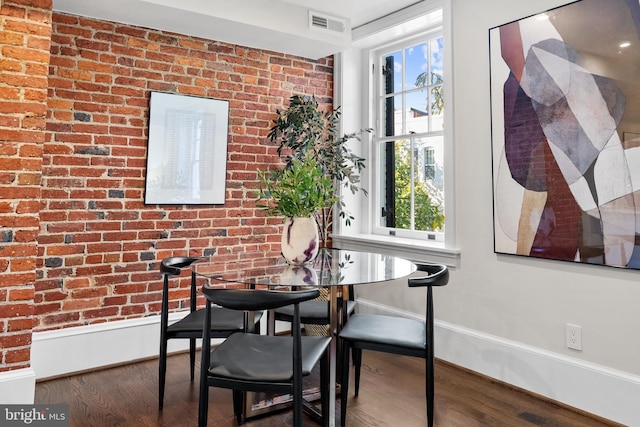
point(391, 394)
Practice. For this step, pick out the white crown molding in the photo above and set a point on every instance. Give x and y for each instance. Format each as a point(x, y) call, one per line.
point(261, 24)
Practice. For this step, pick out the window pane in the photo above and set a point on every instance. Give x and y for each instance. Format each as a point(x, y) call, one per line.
point(435, 56)
point(437, 109)
point(403, 183)
point(387, 184)
point(436, 99)
point(429, 184)
point(391, 116)
point(392, 69)
point(416, 65)
point(412, 184)
point(418, 111)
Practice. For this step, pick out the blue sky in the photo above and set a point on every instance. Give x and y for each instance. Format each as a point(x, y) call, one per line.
point(416, 61)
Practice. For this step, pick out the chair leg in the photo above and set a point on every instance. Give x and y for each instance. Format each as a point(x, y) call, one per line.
point(238, 403)
point(357, 362)
point(324, 388)
point(297, 408)
point(429, 357)
point(297, 413)
point(205, 359)
point(162, 372)
point(430, 391)
point(344, 383)
point(203, 404)
point(203, 399)
point(192, 356)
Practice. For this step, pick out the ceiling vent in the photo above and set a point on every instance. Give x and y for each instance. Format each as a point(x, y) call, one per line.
point(319, 21)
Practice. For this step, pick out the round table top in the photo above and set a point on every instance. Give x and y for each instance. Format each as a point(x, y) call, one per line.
point(332, 267)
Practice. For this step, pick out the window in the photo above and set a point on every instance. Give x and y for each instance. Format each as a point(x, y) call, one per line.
point(394, 79)
point(429, 173)
point(409, 137)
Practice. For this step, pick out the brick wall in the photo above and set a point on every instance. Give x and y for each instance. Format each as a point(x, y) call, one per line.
point(25, 32)
point(99, 245)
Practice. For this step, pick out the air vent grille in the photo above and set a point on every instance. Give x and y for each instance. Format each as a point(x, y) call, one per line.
point(318, 21)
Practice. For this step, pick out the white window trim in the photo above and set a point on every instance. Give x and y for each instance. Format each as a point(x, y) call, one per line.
point(411, 249)
point(362, 239)
point(375, 163)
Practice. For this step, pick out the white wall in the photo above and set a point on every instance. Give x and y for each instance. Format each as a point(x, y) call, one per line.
point(502, 315)
point(525, 300)
point(505, 316)
point(521, 299)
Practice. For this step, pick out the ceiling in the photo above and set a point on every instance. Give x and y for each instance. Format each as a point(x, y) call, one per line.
point(358, 11)
point(278, 25)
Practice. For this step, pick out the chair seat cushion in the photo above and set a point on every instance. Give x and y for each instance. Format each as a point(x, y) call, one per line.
point(252, 357)
point(222, 319)
point(314, 311)
point(387, 330)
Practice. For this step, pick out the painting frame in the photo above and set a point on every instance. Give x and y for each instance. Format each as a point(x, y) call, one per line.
point(187, 150)
point(565, 177)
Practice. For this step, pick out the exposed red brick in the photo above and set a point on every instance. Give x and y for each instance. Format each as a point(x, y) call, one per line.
point(19, 356)
point(85, 248)
point(21, 324)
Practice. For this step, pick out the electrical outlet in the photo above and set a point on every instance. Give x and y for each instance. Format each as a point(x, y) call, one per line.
point(574, 337)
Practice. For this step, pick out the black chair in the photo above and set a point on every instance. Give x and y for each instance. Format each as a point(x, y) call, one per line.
point(316, 312)
point(392, 334)
point(262, 363)
point(225, 323)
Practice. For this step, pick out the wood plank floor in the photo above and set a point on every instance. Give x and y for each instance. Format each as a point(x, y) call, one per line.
point(391, 394)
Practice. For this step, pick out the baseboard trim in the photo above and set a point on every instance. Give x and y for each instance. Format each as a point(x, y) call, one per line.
point(69, 351)
point(72, 350)
point(18, 387)
point(564, 379)
point(567, 380)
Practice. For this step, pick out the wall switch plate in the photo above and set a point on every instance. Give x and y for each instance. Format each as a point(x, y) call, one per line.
point(574, 337)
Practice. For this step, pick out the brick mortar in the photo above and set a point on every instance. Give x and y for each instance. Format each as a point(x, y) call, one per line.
point(99, 245)
point(26, 30)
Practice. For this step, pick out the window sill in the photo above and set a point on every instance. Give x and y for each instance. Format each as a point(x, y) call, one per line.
point(411, 249)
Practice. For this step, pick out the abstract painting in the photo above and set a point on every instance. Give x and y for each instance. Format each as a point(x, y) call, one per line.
point(565, 116)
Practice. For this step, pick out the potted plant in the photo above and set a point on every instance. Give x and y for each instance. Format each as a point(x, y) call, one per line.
point(297, 192)
point(304, 131)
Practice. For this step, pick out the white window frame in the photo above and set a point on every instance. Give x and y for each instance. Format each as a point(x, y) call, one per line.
point(375, 59)
point(353, 93)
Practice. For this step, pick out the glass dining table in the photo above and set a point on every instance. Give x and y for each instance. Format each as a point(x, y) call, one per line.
point(333, 269)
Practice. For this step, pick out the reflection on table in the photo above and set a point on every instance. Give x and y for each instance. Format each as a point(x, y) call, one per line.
point(332, 268)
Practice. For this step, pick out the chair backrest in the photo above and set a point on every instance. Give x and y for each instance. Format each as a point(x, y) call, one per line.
point(257, 299)
point(438, 276)
point(172, 266)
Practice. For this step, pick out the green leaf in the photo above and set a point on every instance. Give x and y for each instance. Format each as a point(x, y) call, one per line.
point(303, 133)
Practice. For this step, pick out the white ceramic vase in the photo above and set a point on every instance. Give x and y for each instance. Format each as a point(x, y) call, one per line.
point(300, 240)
